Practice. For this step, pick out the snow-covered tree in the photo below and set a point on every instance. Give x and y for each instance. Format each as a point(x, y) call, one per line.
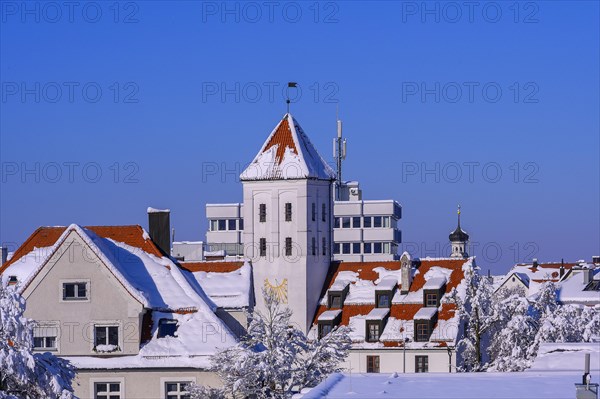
point(475, 312)
point(24, 375)
point(275, 359)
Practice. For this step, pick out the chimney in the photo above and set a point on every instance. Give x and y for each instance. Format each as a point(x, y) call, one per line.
point(405, 273)
point(159, 224)
point(588, 275)
point(4, 255)
point(596, 260)
point(562, 268)
point(535, 263)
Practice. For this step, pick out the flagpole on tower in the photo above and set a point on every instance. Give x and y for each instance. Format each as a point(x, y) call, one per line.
point(287, 93)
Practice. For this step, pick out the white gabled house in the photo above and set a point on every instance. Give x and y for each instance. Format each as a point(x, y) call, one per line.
point(133, 323)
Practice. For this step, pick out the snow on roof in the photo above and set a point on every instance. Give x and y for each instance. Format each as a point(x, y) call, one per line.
point(435, 283)
point(566, 357)
point(329, 315)
point(227, 289)
point(425, 314)
point(378, 314)
point(387, 284)
point(288, 154)
point(548, 385)
point(26, 265)
point(155, 210)
point(573, 289)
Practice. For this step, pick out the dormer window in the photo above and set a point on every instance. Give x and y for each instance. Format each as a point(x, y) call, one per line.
point(167, 328)
point(337, 294)
point(384, 292)
point(12, 280)
point(375, 323)
point(383, 300)
point(431, 300)
point(374, 331)
point(433, 290)
point(424, 320)
point(335, 301)
point(327, 321)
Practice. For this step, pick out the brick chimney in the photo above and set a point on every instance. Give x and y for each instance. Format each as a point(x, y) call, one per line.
point(159, 225)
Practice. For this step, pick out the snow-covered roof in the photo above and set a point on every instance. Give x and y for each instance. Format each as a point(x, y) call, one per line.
point(548, 385)
point(435, 283)
point(365, 278)
point(387, 284)
point(288, 154)
point(575, 291)
point(161, 286)
point(378, 314)
point(155, 210)
point(329, 315)
point(227, 289)
point(425, 314)
point(566, 357)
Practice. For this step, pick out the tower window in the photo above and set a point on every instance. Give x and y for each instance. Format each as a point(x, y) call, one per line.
point(288, 211)
point(262, 213)
point(288, 246)
point(324, 246)
point(323, 212)
point(314, 246)
point(263, 247)
point(314, 211)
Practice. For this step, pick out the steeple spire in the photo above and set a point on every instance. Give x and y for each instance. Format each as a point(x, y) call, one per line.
point(458, 212)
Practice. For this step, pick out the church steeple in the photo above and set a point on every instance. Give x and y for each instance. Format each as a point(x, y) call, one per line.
point(459, 239)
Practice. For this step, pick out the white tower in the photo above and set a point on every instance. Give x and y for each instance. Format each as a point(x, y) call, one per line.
point(288, 213)
point(458, 239)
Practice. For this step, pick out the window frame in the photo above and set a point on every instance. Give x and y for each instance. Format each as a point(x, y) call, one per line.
point(94, 382)
point(262, 247)
point(323, 326)
point(379, 295)
point(421, 364)
point(323, 212)
point(431, 299)
point(346, 248)
point(163, 321)
point(373, 323)
point(314, 212)
point(46, 327)
point(336, 248)
point(64, 282)
point(356, 220)
point(324, 244)
point(107, 326)
point(262, 213)
point(313, 246)
point(354, 246)
point(369, 246)
point(288, 246)
point(369, 224)
point(373, 364)
point(229, 223)
point(288, 212)
point(171, 380)
point(419, 336)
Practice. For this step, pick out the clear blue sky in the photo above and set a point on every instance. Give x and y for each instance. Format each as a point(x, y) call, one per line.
point(186, 86)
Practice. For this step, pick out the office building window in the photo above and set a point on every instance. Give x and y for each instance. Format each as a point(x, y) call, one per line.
point(367, 222)
point(377, 221)
point(377, 248)
point(345, 223)
point(232, 224)
point(367, 247)
point(356, 247)
point(336, 248)
point(346, 248)
point(356, 222)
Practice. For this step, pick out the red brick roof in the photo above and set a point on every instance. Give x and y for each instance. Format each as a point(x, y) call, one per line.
point(400, 311)
point(219, 267)
point(283, 138)
point(132, 235)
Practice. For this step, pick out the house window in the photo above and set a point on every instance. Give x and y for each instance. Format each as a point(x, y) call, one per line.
point(336, 248)
point(324, 251)
point(176, 390)
point(106, 338)
point(373, 332)
point(367, 222)
point(314, 211)
point(262, 213)
point(232, 224)
point(167, 328)
point(367, 247)
point(288, 211)
point(107, 390)
point(335, 301)
point(263, 246)
point(324, 329)
point(314, 246)
point(372, 364)
point(356, 222)
point(422, 332)
point(75, 291)
point(383, 300)
point(288, 246)
point(431, 300)
point(45, 343)
point(323, 212)
point(346, 248)
point(421, 364)
point(356, 247)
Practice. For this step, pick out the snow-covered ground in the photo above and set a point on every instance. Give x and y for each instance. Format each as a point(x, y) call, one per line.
point(530, 385)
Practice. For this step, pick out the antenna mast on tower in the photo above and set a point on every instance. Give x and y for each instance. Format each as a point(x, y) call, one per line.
point(339, 154)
